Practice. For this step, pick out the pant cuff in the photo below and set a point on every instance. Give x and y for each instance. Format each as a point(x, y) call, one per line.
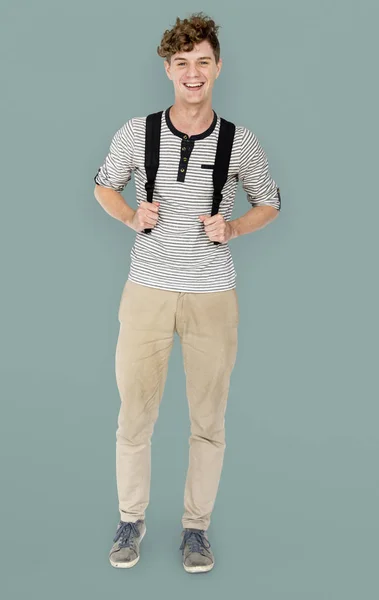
point(130, 518)
point(195, 525)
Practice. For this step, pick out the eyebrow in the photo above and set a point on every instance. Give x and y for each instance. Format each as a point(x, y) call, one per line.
point(201, 58)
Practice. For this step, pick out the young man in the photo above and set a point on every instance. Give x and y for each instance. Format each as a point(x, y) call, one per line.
point(182, 280)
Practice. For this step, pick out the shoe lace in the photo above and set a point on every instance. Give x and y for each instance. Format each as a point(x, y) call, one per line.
point(196, 540)
point(126, 534)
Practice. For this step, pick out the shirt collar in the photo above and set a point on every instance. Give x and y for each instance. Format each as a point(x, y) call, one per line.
point(199, 136)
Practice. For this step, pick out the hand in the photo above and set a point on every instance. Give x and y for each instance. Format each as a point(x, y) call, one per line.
point(145, 217)
point(216, 228)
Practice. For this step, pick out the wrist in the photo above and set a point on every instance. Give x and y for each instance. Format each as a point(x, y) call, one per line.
point(233, 228)
point(128, 216)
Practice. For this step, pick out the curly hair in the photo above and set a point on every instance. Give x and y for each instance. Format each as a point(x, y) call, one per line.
point(188, 32)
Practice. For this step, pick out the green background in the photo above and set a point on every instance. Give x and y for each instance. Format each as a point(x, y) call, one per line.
point(297, 512)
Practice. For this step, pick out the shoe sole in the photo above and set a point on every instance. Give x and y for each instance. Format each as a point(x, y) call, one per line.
point(130, 564)
point(203, 569)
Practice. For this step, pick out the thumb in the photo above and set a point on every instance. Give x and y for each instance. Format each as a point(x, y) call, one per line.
point(202, 217)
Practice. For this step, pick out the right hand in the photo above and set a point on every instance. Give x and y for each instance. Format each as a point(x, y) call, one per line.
point(145, 217)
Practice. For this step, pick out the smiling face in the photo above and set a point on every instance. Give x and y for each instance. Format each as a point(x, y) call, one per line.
point(193, 74)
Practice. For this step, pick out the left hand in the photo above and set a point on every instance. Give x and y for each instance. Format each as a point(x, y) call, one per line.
point(216, 228)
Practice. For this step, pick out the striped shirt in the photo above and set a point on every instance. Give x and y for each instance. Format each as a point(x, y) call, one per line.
point(177, 255)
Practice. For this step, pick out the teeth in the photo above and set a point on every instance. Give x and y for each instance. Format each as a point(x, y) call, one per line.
point(193, 84)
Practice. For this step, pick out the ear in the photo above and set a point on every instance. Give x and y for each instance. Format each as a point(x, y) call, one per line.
point(219, 66)
point(168, 69)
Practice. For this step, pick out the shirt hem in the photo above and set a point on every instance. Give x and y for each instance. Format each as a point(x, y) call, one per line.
point(181, 289)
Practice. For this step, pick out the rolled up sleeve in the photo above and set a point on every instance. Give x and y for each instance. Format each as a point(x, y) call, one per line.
point(256, 179)
point(117, 168)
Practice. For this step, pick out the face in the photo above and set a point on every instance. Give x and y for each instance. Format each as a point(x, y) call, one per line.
point(194, 73)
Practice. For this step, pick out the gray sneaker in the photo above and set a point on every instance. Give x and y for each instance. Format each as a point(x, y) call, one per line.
point(125, 550)
point(197, 555)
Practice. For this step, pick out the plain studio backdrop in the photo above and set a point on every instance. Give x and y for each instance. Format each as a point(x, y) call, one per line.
point(296, 516)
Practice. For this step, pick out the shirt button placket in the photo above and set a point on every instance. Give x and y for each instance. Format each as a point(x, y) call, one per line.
point(184, 159)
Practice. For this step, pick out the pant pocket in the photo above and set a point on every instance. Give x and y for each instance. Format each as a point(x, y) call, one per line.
point(122, 299)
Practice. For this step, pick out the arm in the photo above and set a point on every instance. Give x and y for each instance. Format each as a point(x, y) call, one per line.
point(114, 204)
point(146, 215)
point(262, 191)
point(115, 173)
point(112, 177)
point(255, 218)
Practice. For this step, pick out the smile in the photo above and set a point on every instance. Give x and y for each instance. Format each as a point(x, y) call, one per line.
point(193, 86)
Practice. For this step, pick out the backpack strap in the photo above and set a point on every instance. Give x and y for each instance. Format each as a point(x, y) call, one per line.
point(221, 168)
point(152, 143)
point(220, 171)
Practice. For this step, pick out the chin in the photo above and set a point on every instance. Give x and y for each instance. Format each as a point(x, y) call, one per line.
point(194, 100)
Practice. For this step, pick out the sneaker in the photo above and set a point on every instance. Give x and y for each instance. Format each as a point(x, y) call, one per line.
point(125, 550)
point(197, 555)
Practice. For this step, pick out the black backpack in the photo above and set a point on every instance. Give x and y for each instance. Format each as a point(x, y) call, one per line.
point(220, 171)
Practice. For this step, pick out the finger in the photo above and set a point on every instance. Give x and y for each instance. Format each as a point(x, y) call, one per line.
point(148, 216)
point(151, 206)
point(150, 219)
point(215, 219)
point(214, 227)
point(151, 213)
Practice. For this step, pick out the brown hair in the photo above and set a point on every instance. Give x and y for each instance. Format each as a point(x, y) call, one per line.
point(188, 32)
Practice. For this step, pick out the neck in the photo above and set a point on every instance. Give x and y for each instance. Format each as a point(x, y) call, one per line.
point(191, 119)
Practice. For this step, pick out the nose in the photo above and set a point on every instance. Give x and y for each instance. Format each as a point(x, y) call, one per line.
point(192, 70)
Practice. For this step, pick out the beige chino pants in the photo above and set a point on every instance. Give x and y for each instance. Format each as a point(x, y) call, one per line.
point(207, 326)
